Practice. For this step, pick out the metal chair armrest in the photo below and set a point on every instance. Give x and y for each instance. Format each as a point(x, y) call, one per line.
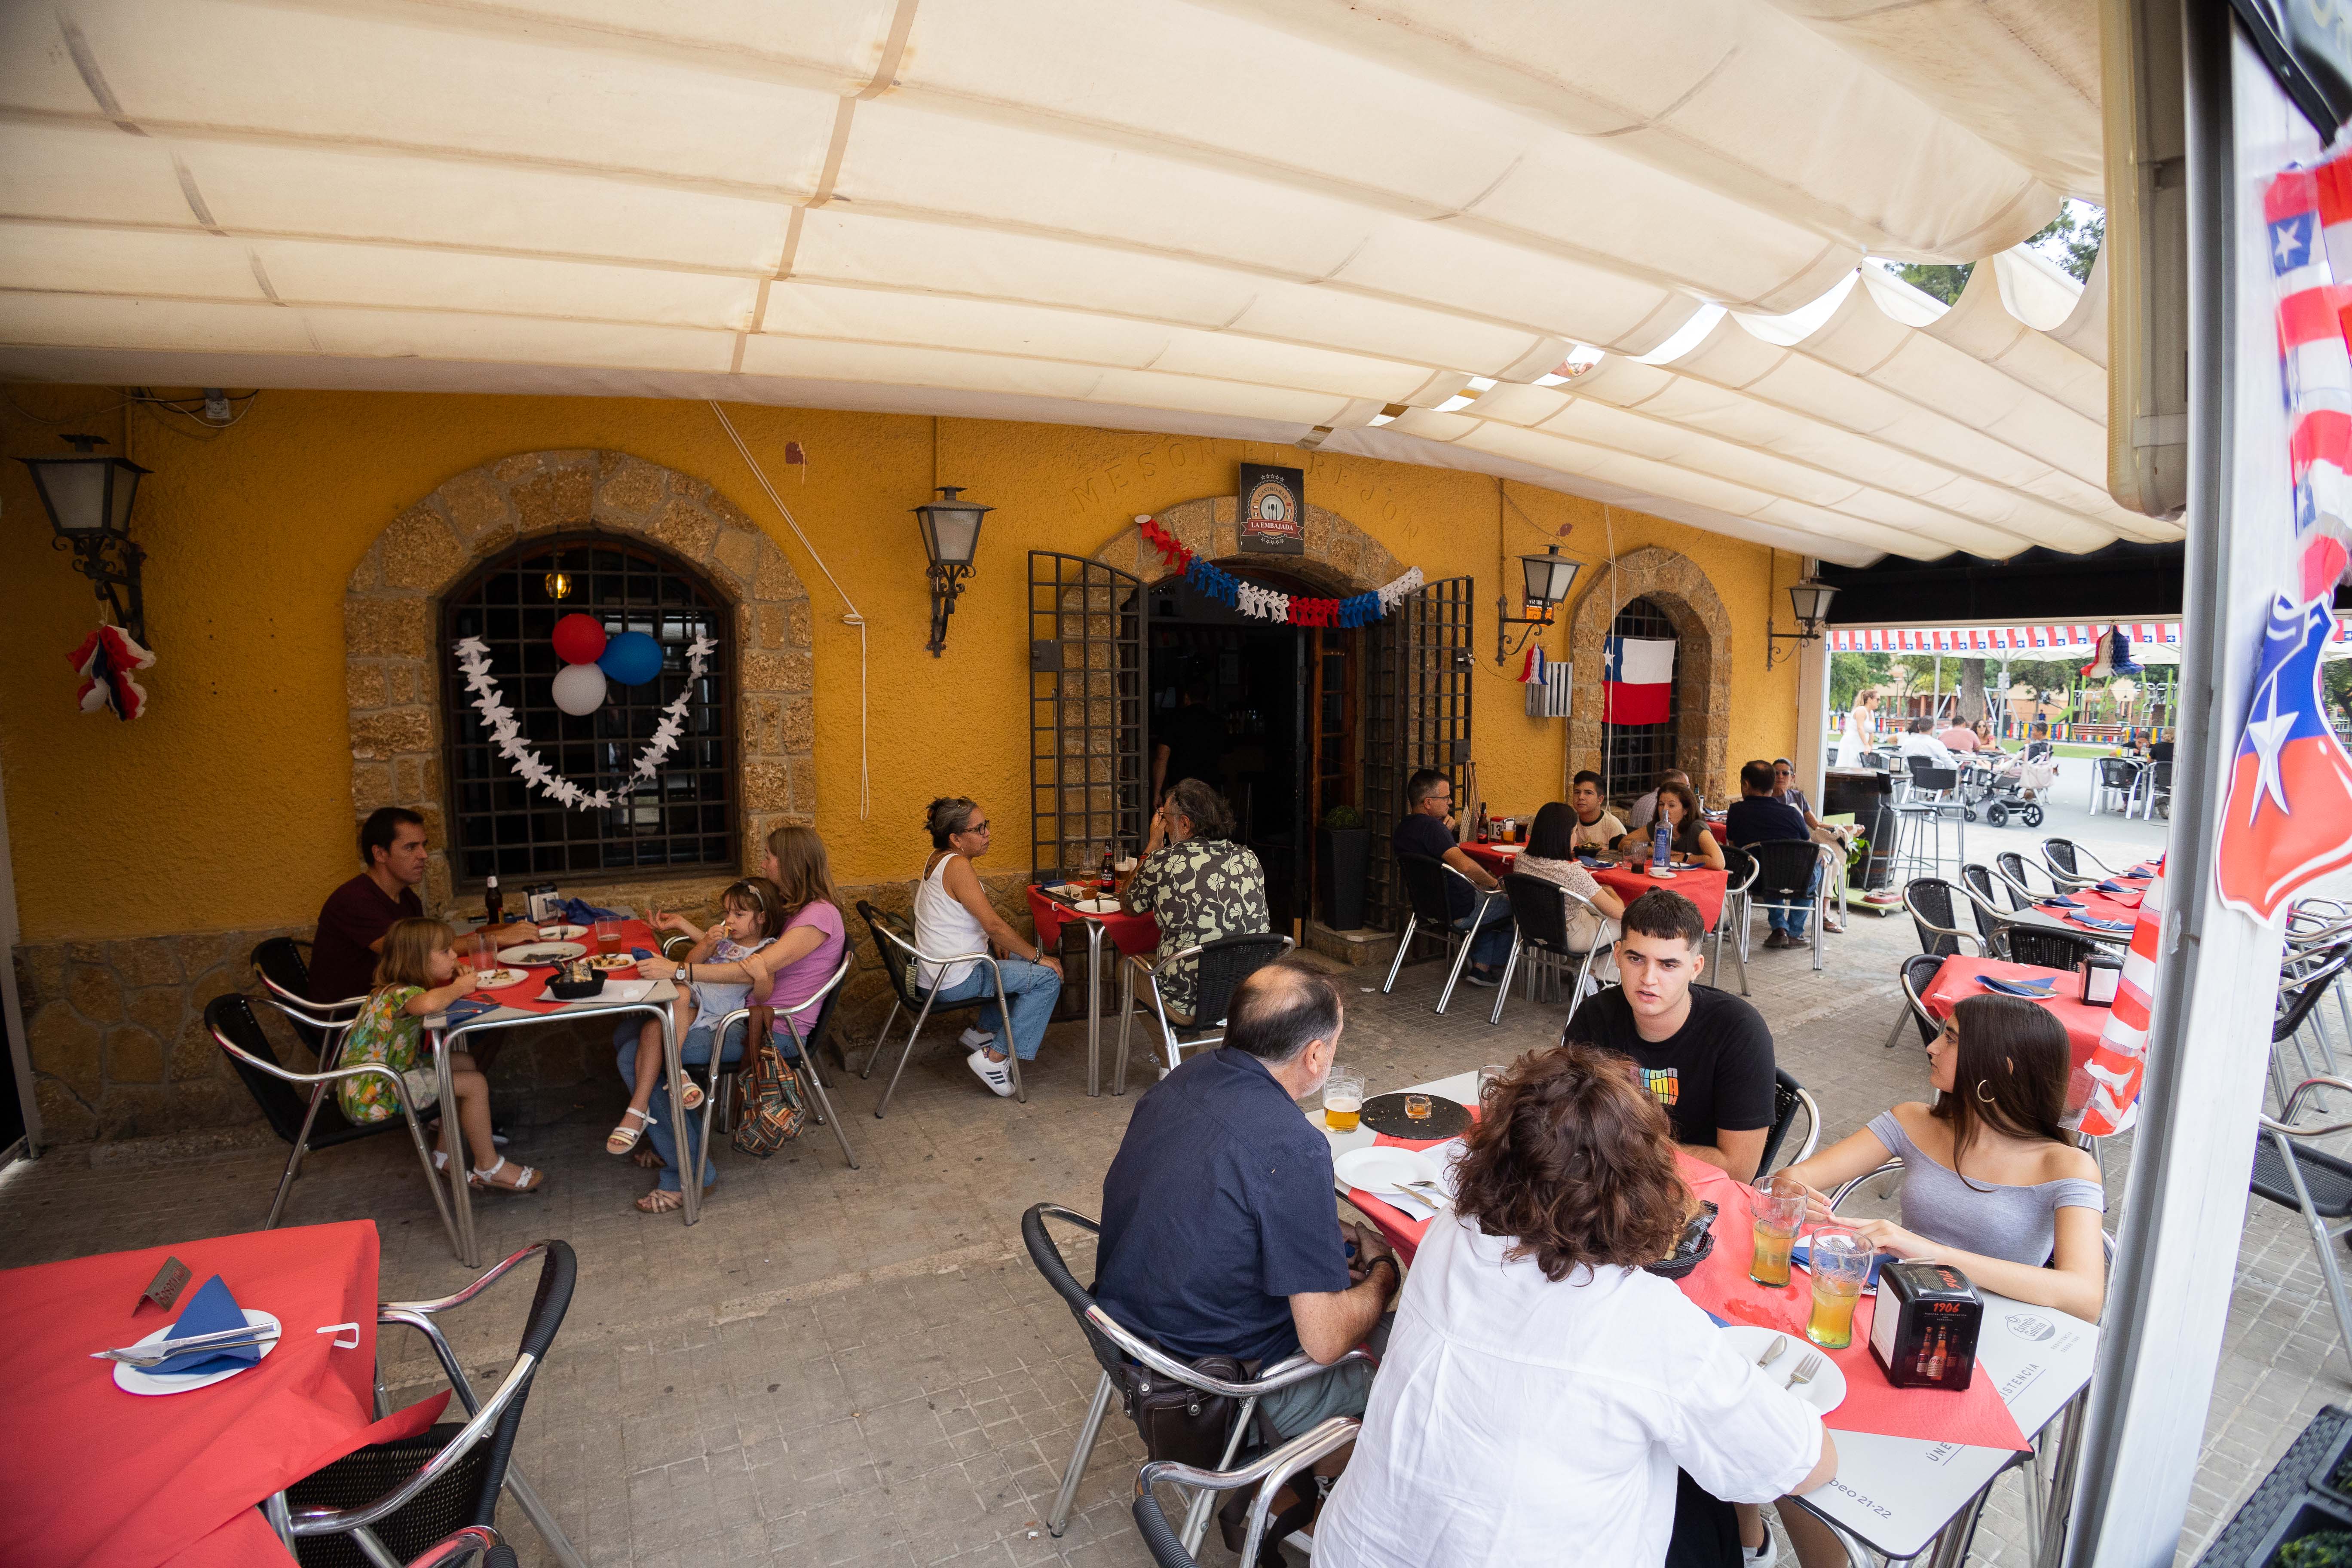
point(1812, 1125)
point(1297, 1369)
point(456, 1548)
point(1269, 1471)
point(1838, 1194)
point(282, 996)
point(337, 1522)
point(328, 1075)
point(2294, 1106)
point(460, 1297)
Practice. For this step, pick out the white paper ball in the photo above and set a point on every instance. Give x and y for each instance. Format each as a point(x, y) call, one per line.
point(579, 689)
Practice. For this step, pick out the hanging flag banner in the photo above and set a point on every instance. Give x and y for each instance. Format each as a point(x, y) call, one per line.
point(2113, 657)
point(2117, 1059)
point(1638, 686)
point(1212, 581)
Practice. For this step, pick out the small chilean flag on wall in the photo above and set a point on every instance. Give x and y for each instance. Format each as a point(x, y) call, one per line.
point(1640, 683)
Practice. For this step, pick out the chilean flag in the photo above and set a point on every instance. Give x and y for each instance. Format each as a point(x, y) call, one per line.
point(2288, 818)
point(1639, 687)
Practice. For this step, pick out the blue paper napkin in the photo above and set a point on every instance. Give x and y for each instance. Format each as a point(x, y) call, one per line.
point(2114, 887)
point(2039, 990)
point(1590, 860)
point(1801, 1256)
point(2061, 904)
point(213, 1310)
point(580, 912)
point(466, 1007)
point(2140, 876)
point(642, 953)
point(2097, 924)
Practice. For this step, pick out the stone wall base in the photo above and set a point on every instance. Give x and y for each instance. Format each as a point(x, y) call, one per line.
point(120, 1051)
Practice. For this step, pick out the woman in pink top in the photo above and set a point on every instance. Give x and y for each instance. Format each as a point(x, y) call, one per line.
point(809, 944)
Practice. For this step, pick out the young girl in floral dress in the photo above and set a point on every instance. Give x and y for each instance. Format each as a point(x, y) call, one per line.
point(417, 976)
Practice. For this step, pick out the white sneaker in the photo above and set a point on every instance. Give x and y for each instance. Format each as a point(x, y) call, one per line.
point(996, 1075)
point(1762, 1556)
point(975, 1039)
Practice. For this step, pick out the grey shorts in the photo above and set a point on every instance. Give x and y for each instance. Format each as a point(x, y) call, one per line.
point(1336, 1391)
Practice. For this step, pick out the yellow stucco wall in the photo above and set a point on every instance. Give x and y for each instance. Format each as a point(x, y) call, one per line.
point(229, 805)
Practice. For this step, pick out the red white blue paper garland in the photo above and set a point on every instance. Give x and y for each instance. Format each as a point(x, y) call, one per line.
point(473, 660)
point(1270, 604)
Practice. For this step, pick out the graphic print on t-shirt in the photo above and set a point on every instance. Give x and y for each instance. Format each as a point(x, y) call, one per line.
point(1665, 1083)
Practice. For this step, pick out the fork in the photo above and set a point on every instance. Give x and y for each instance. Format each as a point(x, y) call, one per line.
point(1806, 1370)
point(1430, 1190)
point(156, 1354)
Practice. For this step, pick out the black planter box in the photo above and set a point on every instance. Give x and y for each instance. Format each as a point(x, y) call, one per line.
point(1343, 859)
point(2286, 1506)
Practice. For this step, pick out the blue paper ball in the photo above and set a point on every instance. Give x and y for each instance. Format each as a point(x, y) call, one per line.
point(632, 658)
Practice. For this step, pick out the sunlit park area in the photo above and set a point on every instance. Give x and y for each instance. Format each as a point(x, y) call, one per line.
point(1210, 782)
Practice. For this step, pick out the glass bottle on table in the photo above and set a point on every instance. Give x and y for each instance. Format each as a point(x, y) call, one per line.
point(493, 903)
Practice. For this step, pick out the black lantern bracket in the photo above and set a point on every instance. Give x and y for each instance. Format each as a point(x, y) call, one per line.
point(950, 529)
point(1549, 577)
point(1809, 601)
point(98, 531)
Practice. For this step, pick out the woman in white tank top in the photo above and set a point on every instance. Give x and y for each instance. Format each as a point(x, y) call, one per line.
point(952, 915)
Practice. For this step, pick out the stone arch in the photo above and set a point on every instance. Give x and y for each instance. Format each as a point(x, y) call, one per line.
point(1340, 559)
point(1674, 584)
point(392, 618)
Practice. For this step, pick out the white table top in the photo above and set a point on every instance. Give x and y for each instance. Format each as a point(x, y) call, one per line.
point(1895, 1493)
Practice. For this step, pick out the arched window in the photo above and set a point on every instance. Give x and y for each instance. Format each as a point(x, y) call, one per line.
point(686, 816)
point(1637, 753)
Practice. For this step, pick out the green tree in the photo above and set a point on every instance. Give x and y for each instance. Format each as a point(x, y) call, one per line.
point(1850, 672)
point(1945, 283)
point(2073, 239)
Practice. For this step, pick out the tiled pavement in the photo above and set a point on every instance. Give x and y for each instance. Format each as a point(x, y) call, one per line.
point(843, 1366)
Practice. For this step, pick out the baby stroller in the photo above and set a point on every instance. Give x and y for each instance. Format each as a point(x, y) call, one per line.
point(2018, 785)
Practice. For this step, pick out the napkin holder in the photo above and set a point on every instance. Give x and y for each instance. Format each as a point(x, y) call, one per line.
point(2102, 976)
point(546, 906)
point(1923, 1329)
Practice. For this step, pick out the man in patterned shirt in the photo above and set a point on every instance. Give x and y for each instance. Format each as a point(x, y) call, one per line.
point(1197, 881)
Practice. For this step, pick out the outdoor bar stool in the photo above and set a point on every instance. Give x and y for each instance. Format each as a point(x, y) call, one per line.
point(1130, 1365)
point(1783, 868)
point(1919, 821)
point(1539, 912)
point(1739, 877)
point(387, 1500)
point(1788, 1095)
point(1267, 1472)
point(2312, 1181)
point(1424, 886)
point(896, 943)
point(722, 1083)
point(318, 1121)
point(1918, 973)
point(2116, 780)
point(1220, 967)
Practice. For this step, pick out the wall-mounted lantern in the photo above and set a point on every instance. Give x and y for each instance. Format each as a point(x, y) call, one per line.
point(1810, 601)
point(1548, 578)
point(88, 500)
point(952, 539)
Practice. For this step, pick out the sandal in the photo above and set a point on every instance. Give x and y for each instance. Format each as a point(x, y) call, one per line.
point(526, 1180)
point(662, 1200)
point(624, 1137)
point(648, 1158)
point(690, 1096)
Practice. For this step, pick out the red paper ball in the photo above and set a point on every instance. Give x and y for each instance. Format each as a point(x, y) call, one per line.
point(579, 639)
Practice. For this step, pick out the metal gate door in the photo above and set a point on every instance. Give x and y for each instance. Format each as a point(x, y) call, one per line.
point(1416, 715)
point(1087, 775)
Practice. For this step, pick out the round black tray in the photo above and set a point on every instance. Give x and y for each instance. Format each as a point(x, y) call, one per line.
point(1385, 1113)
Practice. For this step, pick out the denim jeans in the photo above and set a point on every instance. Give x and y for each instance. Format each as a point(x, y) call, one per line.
point(1793, 921)
point(694, 1052)
point(1492, 945)
point(1029, 988)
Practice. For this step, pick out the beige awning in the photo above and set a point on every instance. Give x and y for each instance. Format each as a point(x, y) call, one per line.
point(1274, 220)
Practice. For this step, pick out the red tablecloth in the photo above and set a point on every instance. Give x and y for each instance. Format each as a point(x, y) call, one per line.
point(1129, 933)
point(1721, 1287)
point(1700, 886)
point(1956, 981)
point(522, 995)
point(92, 1476)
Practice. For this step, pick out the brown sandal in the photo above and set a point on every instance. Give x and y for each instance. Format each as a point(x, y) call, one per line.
point(647, 1157)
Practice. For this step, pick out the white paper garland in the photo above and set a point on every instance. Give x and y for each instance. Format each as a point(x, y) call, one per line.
point(474, 659)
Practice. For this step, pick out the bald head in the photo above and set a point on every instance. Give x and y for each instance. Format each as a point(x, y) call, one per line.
point(1675, 776)
point(1280, 1010)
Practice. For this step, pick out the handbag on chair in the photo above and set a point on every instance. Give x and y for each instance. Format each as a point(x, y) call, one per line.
point(774, 1109)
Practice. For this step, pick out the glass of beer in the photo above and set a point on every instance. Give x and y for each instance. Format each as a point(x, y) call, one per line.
point(1343, 1101)
point(609, 937)
point(1779, 1214)
point(1839, 1261)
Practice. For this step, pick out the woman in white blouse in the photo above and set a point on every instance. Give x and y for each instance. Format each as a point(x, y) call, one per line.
point(1539, 1390)
point(1551, 855)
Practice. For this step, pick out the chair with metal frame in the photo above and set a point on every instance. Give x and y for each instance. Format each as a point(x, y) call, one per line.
point(1788, 1094)
point(1740, 870)
point(387, 1500)
point(1429, 913)
point(1219, 968)
point(900, 959)
point(2314, 925)
point(2305, 980)
point(461, 1546)
point(318, 1123)
point(1539, 914)
point(2015, 874)
point(1977, 886)
point(1783, 869)
point(1269, 1471)
point(2151, 789)
point(2063, 859)
point(2049, 949)
point(280, 964)
point(2113, 777)
point(2314, 1182)
point(720, 1083)
point(1936, 916)
point(1917, 974)
point(1127, 1359)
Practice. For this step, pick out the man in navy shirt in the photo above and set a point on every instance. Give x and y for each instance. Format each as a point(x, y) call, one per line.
point(1758, 817)
point(1220, 1233)
point(1428, 800)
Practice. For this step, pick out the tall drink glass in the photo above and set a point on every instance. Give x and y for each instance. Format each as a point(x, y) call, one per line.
point(608, 937)
point(1779, 1214)
point(1839, 1261)
point(1343, 1101)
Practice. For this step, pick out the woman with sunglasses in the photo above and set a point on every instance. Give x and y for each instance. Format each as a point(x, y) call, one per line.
point(952, 915)
point(1784, 788)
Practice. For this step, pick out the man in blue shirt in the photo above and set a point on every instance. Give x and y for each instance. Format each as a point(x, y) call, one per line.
point(1758, 817)
point(1220, 1232)
point(1428, 800)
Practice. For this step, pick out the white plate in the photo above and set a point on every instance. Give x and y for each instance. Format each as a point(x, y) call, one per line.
point(1097, 907)
point(612, 961)
point(1378, 1171)
point(1824, 1394)
point(492, 979)
point(561, 932)
point(136, 1380)
point(540, 955)
point(1664, 876)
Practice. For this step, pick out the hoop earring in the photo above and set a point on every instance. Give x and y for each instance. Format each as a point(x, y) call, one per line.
point(1983, 1098)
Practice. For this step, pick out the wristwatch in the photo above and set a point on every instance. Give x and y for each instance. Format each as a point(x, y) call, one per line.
point(684, 971)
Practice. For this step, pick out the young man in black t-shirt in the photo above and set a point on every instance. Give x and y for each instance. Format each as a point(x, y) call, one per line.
point(1705, 1053)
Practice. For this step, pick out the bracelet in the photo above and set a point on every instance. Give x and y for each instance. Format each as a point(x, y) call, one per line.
point(1394, 1268)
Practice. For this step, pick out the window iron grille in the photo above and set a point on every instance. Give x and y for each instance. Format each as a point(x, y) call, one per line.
point(1634, 755)
point(1417, 701)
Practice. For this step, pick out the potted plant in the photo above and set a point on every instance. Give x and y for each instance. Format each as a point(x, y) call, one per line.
point(1343, 858)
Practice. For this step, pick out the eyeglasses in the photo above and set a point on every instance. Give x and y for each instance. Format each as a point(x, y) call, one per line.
point(975, 827)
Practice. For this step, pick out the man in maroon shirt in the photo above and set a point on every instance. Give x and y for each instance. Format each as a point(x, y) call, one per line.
point(353, 920)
